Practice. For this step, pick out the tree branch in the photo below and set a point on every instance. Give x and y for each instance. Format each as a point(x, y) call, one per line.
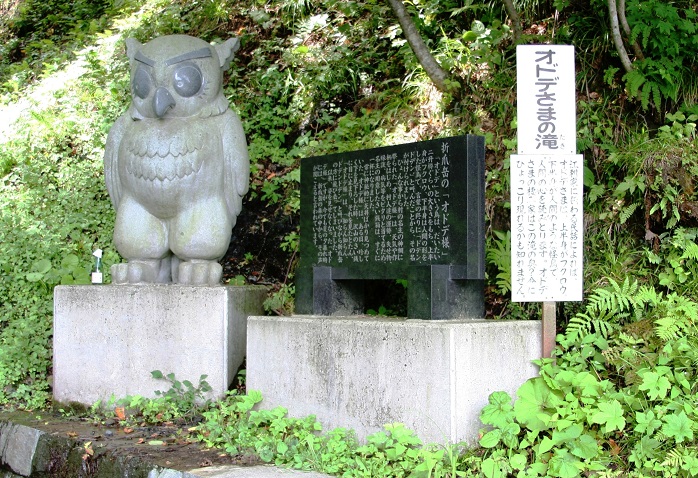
point(515, 19)
point(617, 38)
point(437, 74)
point(626, 28)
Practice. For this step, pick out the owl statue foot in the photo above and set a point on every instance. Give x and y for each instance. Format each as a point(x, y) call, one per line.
point(141, 271)
point(200, 273)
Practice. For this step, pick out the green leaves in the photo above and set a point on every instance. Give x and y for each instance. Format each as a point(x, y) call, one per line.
point(609, 414)
point(564, 465)
point(499, 410)
point(585, 447)
point(181, 401)
point(39, 270)
point(500, 414)
point(536, 404)
point(679, 427)
point(655, 383)
point(646, 423)
point(631, 400)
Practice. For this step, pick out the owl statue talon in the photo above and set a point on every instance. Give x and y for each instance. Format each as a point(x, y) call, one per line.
point(176, 163)
point(200, 273)
point(119, 273)
point(137, 272)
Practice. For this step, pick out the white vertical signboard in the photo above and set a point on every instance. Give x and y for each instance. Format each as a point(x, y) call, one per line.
point(546, 179)
point(546, 216)
point(546, 103)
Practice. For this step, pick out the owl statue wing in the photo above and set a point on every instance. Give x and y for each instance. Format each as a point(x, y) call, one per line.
point(111, 161)
point(237, 162)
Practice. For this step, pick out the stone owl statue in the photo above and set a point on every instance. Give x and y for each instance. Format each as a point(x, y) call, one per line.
point(176, 164)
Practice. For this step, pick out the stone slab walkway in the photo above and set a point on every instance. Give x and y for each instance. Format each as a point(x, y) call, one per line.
point(252, 472)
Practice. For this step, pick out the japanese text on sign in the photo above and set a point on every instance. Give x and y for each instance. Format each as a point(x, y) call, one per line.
point(546, 179)
point(547, 233)
point(546, 99)
point(390, 208)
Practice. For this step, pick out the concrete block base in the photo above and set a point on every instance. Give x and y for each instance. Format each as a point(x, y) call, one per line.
point(361, 373)
point(108, 339)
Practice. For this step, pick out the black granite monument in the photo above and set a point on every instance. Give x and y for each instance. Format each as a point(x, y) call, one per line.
point(413, 211)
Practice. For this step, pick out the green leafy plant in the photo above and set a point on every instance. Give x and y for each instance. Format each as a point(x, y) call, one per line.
point(234, 426)
point(498, 254)
point(181, 402)
point(184, 393)
point(282, 301)
point(676, 258)
point(680, 127)
point(666, 33)
point(617, 394)
point(237, 280)
point(382, 310)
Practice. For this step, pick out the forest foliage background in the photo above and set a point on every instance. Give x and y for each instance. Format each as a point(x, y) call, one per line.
point(314, 78)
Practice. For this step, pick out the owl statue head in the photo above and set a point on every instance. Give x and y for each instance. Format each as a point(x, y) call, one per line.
point(178, 76)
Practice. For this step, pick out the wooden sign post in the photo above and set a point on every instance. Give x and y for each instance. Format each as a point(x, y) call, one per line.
point(546, 185)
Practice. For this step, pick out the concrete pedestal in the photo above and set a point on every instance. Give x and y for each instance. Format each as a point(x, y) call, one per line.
point(107, 339)
point(361, 373)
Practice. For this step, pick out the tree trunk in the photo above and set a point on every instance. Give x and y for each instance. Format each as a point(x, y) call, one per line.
point(437, 74)
point(515, 19)
point(626, 28)
point(617, 38)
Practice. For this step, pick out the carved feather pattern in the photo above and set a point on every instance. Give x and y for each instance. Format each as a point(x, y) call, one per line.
point(151, 157)
point(153, 144)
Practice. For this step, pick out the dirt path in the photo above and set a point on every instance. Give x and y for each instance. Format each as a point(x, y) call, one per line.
point(170, 446)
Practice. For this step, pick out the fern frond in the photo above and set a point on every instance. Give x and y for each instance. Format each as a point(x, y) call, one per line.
point(605, 327)
point(646, 33)
point(645, 95)
point(634, 80)
point(646, 296)
point(615, 300)
point(674, 458)
point(692, 351)
point(629, 288)
point(678, 458)
point(582, 325)
point(668, 328)
point(684, 305)
point(578, 327)
point(657, 96)
point(627, 212)
point(690, 251)
point(609, 308)
point(678, 320)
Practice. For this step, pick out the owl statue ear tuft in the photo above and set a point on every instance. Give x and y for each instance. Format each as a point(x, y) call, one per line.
point(133, 46)
point(226, 51)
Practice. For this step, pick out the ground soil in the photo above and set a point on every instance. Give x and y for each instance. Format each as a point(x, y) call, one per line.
point(169, 446)
point(255, 251)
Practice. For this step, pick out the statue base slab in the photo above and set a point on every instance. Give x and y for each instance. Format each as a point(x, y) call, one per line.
point(361, 373)
point(108, 339)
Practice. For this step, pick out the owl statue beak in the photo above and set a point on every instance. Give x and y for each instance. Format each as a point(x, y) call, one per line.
point(162, 102)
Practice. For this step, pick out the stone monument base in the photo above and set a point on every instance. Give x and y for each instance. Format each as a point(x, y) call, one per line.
point(362, 373)
point(108, 339)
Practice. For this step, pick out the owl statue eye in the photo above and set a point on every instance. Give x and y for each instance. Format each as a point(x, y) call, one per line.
point(141, 83)
point(188, 80)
